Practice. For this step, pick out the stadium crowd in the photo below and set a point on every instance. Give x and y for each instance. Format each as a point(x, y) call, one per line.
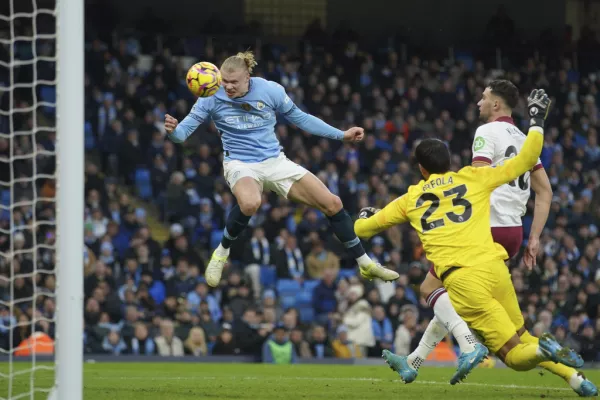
point(289, 281)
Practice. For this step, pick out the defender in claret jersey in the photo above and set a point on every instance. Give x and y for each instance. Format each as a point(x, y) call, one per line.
point(451, 213)
point(243, 110)
point(495, 142)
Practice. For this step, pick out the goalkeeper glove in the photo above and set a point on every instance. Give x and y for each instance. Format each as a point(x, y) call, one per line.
point(538, 105)
point(367, 212)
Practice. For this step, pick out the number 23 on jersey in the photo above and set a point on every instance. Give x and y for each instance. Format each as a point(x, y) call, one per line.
point(460, 212)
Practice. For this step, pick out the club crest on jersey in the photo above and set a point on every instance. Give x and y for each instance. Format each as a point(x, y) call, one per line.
point(260, 105)
point(246, 107)
point(479, 143)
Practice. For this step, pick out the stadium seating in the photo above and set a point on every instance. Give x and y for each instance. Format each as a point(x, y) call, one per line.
point(215, 238)
point(346, 273)
point(142, 183)
point(268, 276)
point(287, 287)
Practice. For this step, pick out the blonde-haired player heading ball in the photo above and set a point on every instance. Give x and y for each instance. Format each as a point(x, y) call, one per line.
point(244, 111)
point(451, 214)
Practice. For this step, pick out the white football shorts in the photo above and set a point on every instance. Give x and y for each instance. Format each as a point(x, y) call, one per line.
point(276, 174)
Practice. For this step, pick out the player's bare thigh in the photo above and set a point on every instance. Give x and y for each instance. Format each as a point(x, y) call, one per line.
point(248, 194)
point(430, 284)
point(311, 191)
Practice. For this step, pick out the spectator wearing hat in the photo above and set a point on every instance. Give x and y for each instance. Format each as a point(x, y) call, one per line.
point(344, 347)
point(378, 250)
point(225, 344)
point(358, 319)
point(278, 349)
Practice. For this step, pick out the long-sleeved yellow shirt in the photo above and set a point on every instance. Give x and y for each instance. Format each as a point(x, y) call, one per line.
point(451, 212)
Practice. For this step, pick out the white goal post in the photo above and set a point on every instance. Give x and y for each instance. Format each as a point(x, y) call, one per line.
point(41, 35)
point(70, 95)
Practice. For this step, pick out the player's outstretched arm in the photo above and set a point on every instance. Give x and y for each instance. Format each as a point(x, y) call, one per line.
point(372, 221)
point(538, 105)
point(307, 122)
point(178, 132)
point(315, 126)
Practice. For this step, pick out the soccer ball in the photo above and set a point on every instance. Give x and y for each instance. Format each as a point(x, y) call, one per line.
point(203, 79)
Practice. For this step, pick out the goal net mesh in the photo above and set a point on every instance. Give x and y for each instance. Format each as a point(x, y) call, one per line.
point(27, 189)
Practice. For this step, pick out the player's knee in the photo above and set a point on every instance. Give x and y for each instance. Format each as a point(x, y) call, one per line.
point(250, 204)
point(332, 206)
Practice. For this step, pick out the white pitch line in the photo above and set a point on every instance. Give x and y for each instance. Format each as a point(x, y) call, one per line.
point(320, 378)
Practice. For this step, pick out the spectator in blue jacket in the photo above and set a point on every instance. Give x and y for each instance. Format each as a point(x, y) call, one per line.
point(324, 300)
point(383, 332)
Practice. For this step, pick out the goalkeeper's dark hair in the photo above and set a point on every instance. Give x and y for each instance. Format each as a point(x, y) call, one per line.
point(506, 90)
point(433, 155)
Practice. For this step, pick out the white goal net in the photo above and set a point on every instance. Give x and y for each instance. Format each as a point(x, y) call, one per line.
point(38, 306)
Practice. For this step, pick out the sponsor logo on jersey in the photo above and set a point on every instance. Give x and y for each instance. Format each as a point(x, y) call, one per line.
point(479, 143)
point(246, 107)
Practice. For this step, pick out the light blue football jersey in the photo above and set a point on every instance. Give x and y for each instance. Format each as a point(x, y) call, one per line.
point(247, 123)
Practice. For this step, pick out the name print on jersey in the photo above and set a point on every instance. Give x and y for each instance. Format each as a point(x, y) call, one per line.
point(441, 181)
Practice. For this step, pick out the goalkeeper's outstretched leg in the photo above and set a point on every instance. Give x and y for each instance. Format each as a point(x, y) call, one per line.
point(577, 380)
point(472, 291)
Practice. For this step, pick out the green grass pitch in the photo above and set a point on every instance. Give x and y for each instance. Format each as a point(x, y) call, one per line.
point(169, 381)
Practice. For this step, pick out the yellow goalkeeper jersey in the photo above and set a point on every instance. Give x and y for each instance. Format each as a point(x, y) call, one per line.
point(451, 212)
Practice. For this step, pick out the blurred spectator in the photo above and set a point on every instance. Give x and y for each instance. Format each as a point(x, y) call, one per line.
point(406, 332)
point(250, 333)
point(320, 259)
point(324, 296)
point(343, 347)
point(382, 331)
point(225, 345)
point(114, 344)
point(301, 346)
point(141, 343)
point(319, 343)
point(195, 344)
point(167, 343)
point(358, 319)
point(278, 349)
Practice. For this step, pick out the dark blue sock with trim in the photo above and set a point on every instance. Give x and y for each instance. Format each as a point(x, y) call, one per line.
point(343, 227)
point(237, 221)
